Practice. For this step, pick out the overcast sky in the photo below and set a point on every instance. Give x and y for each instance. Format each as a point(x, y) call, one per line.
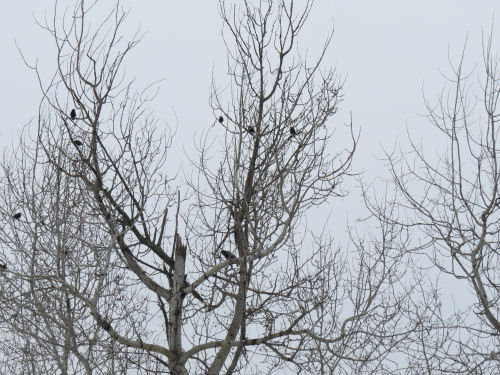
point(390, 53)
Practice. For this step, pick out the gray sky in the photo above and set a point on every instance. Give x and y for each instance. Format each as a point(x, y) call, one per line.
point(388, 50)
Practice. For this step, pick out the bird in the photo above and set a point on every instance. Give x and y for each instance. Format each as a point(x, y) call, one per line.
point(17, 216)
point(3, 266)
point(77, 143)
point(73, 114)
point(251, 130)
point(227, 254)
point(221, 119)
point(293, 132)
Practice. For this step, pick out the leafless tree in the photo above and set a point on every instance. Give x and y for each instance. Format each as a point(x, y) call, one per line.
point(98, 257)
point(52, 248)
point(452, 204)
point(282, 295)
point(60, 259)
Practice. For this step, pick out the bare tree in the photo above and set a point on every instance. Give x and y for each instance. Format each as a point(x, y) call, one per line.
point(289, 295)
point(52, 246)
point(249, 287)
point(453, 203)
point(60, 261)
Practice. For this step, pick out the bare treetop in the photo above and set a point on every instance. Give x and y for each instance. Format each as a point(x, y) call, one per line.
point(221, 274)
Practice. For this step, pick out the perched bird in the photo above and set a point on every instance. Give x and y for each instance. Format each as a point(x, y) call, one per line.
point(3, 266)
point(221, 119)
point(73, 114)
point(251, 130)
point(293, 132)
point(17, 216)
point(77, 143)
point(227, 254)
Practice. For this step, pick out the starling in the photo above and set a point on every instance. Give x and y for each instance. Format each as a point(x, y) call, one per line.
point(77, 143)
point(227, 254)
point(73, 114)
point(17, 216)
point(251, 130)
point(3, 266)
point(221, 119)
point(293, 132)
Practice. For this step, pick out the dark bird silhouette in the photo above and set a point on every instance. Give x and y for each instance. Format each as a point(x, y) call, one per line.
point(17, 216)
point(251, 130)
point(293, 132)
point(221, 119)
point(3, 266)
point(73, 114)
point(194, 293)
point(77, 143)
point(227, 254)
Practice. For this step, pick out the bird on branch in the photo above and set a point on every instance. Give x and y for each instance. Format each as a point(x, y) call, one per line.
point(77, 143)
point(251, 130)
point(293, 132)
point(227, 254)
point(73, 114)
point(194, 292)
point(221, 119)
point(17, 216)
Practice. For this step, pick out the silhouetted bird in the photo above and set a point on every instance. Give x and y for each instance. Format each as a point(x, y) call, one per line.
point(73, 114)
point(251, 130)
point(221, 119)
point(227, 254)
point(293, 132)
point(77, 143)
point(17, 216)
point(3, 266)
